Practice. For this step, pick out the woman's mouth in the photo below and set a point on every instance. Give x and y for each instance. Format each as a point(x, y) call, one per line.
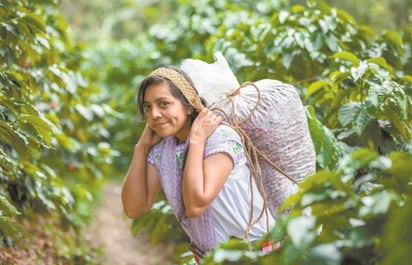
point(160, 125)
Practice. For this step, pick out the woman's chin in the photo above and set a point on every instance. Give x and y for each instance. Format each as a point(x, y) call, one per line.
point(163, 133)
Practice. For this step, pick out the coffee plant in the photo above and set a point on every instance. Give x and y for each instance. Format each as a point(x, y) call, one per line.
point(54, 145)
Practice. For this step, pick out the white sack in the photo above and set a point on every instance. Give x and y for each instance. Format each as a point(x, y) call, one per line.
point(278, 128)
point(212, 81)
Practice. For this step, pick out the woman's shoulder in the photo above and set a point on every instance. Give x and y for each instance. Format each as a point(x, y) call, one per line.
point(226, 129)
point(157, 151)
point(225, 132)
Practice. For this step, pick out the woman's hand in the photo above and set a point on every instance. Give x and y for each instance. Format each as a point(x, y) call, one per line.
point(149, 137)
point(203, 178)
point(204, 125)
point(141, 183)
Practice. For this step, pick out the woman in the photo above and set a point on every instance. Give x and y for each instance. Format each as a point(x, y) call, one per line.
point(198, 162)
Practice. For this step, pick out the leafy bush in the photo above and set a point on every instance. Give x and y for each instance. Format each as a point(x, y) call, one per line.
point(356, 85)
point(54, 147)
point(354, 209)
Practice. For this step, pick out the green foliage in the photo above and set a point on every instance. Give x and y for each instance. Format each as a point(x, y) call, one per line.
point(327, 147)
point(364, 104)
point(291, 45)
point(352, 216)
point(356, 85)
point(54, 146)
point(162, 230)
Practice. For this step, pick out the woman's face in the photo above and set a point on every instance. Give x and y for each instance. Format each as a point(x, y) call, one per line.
point(165, 113)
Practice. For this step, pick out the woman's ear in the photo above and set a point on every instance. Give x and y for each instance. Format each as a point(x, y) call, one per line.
point(190, 111)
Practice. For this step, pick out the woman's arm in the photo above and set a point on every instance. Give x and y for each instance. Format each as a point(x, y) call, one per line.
point(203, 178)
point(141, 183)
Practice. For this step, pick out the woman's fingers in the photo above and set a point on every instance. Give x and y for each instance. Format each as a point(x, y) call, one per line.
point(209, 116)
point(204, 125)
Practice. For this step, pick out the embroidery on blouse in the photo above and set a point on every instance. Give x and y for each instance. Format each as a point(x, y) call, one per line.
point(237, 147)
point(179, 158)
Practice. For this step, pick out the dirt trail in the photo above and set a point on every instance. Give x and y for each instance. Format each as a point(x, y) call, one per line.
point(110, 231)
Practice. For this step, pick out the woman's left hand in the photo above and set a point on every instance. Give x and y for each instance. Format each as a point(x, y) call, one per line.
point(204, 125)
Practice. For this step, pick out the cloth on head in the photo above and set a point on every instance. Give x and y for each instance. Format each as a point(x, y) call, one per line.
point(182, 84)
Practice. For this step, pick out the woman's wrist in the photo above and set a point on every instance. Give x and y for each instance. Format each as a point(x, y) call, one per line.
point(142, 146)
point(196, 141)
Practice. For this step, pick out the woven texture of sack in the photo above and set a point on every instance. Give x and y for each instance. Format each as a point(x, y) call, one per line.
point(277, 127)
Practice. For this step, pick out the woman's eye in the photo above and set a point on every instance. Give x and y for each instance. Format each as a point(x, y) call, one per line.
point(163, 104)
point(146, 107)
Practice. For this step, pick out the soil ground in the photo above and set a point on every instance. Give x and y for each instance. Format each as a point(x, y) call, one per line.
point(110, 231)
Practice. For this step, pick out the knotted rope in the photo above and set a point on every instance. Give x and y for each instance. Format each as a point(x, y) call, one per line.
point(252, 155)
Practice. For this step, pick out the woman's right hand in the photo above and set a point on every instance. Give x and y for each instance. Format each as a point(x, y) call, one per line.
point(149, 137)
point(141, 183)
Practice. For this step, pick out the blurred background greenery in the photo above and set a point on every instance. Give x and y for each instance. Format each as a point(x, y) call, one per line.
point(99, 19)
point(69, 75)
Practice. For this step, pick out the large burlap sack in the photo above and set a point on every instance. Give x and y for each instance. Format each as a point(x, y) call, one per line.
point(272, 116)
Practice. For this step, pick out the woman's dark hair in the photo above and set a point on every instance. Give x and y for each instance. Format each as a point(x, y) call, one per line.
point(155, 79)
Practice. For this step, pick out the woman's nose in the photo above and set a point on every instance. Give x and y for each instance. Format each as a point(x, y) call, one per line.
point(155, 111)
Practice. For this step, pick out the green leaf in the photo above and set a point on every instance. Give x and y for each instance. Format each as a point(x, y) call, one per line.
point(346, 16)
point(376, 204)
point(361, 120)
point(329, 208)
point(221, 255)
point(302, 231)
point(347, 112)
point(85, 112)
point(338, 76)
point(297, 8)
point(288, 59)
point(407, 78)
point(35, 22)
point(43, 128)
point(260, 32)
point(393, 37)
point(348, 56)
point(324, 254)
point(382, 63)
point(330, 151)
point(332, 42)
point(359, 159)
point(283, 15)
point(8, 228)
point(398, 123)
point(315, 87)
point(315, 127)
point(401, 166)
point(325, 143)
point(359, 71)
point(401, 103)
point(6, 208)
point(376, 96)
point(300, 39)
point(14, 138)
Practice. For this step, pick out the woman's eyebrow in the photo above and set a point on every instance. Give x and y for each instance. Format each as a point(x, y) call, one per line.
point(159, 99)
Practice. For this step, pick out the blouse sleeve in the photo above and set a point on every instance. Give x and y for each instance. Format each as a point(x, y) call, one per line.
point(150, 157)
point(225, 140)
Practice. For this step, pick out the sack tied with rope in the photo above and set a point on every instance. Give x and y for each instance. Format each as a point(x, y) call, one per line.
point(271, 119)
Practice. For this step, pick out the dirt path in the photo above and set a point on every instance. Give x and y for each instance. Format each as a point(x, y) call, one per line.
point(110, 231)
